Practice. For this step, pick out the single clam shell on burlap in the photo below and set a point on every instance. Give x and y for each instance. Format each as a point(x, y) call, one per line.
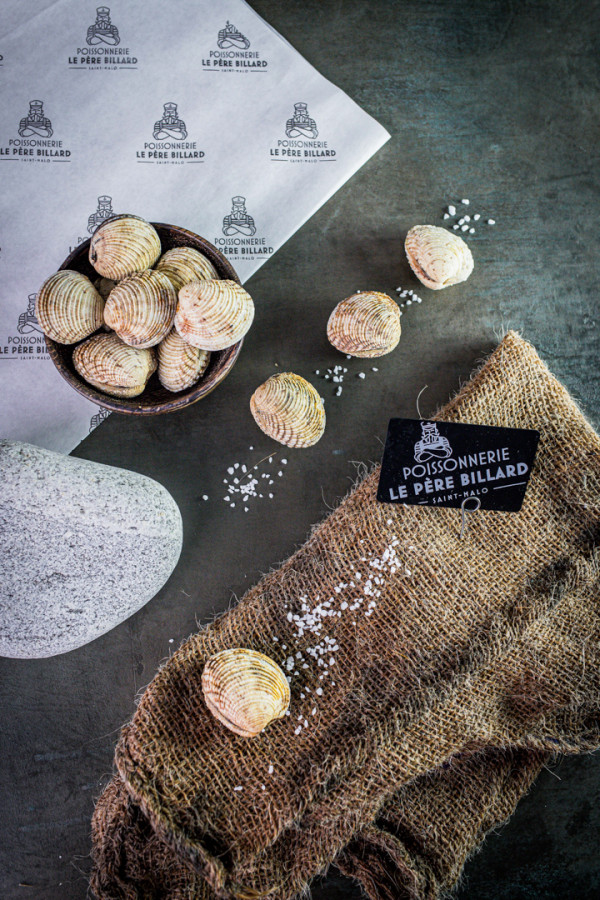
point(289, 409)
point(179, 364)
point(124, 245)
point(438, 257)
point(185, 264)
point(245, 690)
point(68, 307)
point(213, 315)
point(366, 324)
point(112, 366)
point(141, 308)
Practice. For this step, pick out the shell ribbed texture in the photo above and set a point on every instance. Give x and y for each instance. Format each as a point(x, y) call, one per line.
point(184, 264)
point(179, 364)
point(438, 257)
point(68, 307)
point(213, 315)
point(124, 245)
point(245, 690)
point(289, 409)
point(141, 308)
point(366, 324)
point(113, 366)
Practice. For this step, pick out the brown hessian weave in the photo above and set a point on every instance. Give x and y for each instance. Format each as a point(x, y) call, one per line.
point(452, 668)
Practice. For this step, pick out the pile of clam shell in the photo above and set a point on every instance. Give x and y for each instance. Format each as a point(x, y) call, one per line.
point(146, 311)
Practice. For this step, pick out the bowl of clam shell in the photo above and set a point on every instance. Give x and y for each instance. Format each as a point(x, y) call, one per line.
point(144, 318)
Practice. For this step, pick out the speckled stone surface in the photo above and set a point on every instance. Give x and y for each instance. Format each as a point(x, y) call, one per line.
point(83, 546)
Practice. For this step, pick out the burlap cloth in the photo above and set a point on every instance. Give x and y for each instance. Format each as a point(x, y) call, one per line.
point(440, 693)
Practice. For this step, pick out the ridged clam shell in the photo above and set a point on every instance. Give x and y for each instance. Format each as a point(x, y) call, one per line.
point(438, 257)
point(213, 314)
point(113, 366)
point(141, 308)
point(68, 307)
point(289, 409)
point(179, 364)
point(245, 690)
point(366, 324)
point(124, 245)
point(185, 264)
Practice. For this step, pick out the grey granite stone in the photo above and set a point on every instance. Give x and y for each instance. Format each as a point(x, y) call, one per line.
point(82, 547)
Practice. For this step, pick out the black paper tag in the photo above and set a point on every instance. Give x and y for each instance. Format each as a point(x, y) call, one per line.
point(440, 463)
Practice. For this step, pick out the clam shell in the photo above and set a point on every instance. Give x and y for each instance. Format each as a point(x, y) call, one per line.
point(289, 409)
point(366, 324)
point(113, 366)
point(213, 315)
point(141, 308)
point(185, 264)
point(124, 245)
point(179, 364)
point(68, 307)
point(245, 690)
point(438, 257)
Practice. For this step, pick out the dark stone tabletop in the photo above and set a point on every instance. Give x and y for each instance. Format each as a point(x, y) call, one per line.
point(492, 101)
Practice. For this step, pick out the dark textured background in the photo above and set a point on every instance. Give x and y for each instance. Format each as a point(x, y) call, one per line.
point(496, 101)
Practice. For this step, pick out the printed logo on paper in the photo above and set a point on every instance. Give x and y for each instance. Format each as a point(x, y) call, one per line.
point(103, 211)
point(241, 240)
point(36, 141)
point(28, 322)
point(27, 340)
point(300, 143)
point(233, 54)
point(170, 145)
point(102, 49)
point(103, 31)
point(99, 417)
point(443, 463)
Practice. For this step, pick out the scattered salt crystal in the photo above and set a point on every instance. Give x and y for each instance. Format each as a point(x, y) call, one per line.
point(455, 227)
point(362, 374)
point(446, 216)
point(298, 729)
point(284, 462)
point(232, 505)
point(238, 788)
point(491, 221)
point(374, 369)
point(465, 228)
point(270, 496)
point(471, 231)
point(338, 391)
point(314, 711)
point(205, 496)
point(461, 221)
point(452, 210)
point(465, 202)
point(348, 356)
point(476, 217)
point(319, 690)
point(467, 218)
point(262, 787)
point(230, 470)
point(271, 770)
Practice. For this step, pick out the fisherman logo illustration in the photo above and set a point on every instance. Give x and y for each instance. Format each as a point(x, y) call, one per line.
point(231, 37)
point(100, 416)
point(171, 132)
point(233, 54)
point(102, 31)
point(170, 126)
point(241, 239)
point(104, 211)
point(300, 144)
point(35, 123)
point(34, 144)
point(27, 340)
point(301, 124)
point(28, 322)
point(238, 221)
point(432, 445)
point(102, 48)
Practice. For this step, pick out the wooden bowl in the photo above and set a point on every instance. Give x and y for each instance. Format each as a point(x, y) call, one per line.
point(155, 399)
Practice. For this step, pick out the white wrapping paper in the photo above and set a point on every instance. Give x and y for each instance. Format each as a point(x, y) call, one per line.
point(191, 112)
